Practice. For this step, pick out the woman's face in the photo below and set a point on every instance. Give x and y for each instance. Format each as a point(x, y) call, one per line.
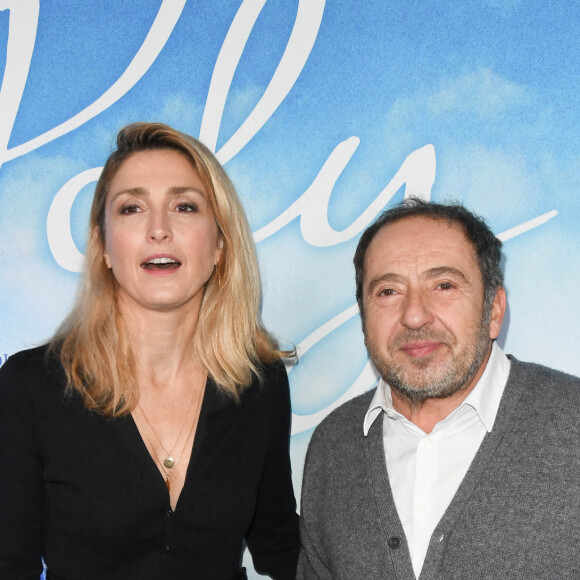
point(161, 236)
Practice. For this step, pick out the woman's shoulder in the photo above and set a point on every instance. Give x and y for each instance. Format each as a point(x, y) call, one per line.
point(271, 377)
point(274, 370)
point(27, 369)
point(31, 359)
point(269, 387)
point(30, 354)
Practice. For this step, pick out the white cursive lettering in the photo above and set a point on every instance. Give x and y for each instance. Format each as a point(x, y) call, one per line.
point(302, 37)
point(60, 239)
point(14, 78)
point(22, 26)
point(417, 172)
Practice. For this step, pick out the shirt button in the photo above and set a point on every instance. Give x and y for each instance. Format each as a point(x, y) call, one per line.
point(394, 543)
point(391, 415)
point(167, 549)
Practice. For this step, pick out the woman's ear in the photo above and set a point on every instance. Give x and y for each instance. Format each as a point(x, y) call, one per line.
point(105, 255)
point(219, 251)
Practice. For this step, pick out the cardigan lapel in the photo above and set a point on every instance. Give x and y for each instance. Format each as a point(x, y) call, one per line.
point(219, 420)
point(137, 454)
point(216, 414)
point(381, 491)
point(505, 422)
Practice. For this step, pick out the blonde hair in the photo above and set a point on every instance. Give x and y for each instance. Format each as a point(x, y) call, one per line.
point(230, 340)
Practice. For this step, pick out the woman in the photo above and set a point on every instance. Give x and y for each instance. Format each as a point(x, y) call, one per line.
point(149, 440)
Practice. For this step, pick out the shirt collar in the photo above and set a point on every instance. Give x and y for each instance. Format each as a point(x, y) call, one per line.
point(486, 395)
point(484, 398)
point(381, 402)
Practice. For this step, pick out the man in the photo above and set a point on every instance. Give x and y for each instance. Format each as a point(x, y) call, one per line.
point(463, 463)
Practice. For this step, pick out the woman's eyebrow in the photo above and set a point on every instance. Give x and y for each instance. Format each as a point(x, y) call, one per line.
point(142, 192)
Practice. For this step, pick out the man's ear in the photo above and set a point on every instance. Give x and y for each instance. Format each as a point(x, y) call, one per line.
point(498, 307)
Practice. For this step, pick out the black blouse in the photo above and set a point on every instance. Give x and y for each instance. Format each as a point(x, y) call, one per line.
point(82, 491)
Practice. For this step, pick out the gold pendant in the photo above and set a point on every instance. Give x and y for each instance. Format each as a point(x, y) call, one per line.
point(169, 462)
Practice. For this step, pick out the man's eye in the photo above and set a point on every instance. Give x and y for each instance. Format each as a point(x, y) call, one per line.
point(387, 292)
point(445, 286)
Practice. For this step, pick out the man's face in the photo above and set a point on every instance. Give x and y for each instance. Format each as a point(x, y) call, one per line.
point(423, 304)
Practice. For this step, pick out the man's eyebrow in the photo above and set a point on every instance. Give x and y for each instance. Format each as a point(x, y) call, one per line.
point(388, 277)
point(445, 271)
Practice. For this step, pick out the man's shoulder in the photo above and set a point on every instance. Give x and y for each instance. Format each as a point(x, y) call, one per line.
point(537, 376)
point(346, 420)
point(540, 387)
point(337, 442)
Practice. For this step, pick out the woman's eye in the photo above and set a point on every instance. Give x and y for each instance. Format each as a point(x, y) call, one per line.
point(129, 209)
point(186, 207)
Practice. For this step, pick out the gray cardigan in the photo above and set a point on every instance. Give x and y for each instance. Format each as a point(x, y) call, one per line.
point(516, 514)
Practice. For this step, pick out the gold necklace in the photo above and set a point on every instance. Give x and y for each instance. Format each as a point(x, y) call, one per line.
point(169, 462)
point(168, 485)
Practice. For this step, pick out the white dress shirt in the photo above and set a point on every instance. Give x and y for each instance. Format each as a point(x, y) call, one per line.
point(425, 470)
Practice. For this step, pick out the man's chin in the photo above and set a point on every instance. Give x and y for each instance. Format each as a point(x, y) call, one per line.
point(431, 381)
point(423, 379)
point(419, 392)
point(413, 382)
point(420, 371)
point(421, 362)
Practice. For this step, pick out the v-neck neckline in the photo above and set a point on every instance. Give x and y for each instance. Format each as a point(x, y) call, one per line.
point(211, 422)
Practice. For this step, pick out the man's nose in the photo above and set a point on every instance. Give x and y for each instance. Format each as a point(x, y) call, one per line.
point(416, 310)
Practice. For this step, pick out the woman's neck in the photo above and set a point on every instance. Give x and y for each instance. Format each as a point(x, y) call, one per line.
point(163, 346)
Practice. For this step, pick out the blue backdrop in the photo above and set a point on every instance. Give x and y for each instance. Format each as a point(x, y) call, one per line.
point(324, 113)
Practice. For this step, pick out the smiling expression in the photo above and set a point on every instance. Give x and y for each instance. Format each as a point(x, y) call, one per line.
point(161, 236)
point(425, 327)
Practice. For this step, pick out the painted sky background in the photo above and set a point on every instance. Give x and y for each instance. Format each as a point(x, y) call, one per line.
point(492, 85)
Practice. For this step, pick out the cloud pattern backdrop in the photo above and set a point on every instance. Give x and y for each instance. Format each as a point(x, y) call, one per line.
point(324, 113)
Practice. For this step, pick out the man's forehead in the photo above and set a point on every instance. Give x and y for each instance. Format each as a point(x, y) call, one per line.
point(421, 240)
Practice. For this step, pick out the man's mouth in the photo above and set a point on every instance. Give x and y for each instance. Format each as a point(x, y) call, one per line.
point(422, 348)
point(164, 263)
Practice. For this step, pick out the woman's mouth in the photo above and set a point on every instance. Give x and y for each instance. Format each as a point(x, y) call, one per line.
point(161, 263)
